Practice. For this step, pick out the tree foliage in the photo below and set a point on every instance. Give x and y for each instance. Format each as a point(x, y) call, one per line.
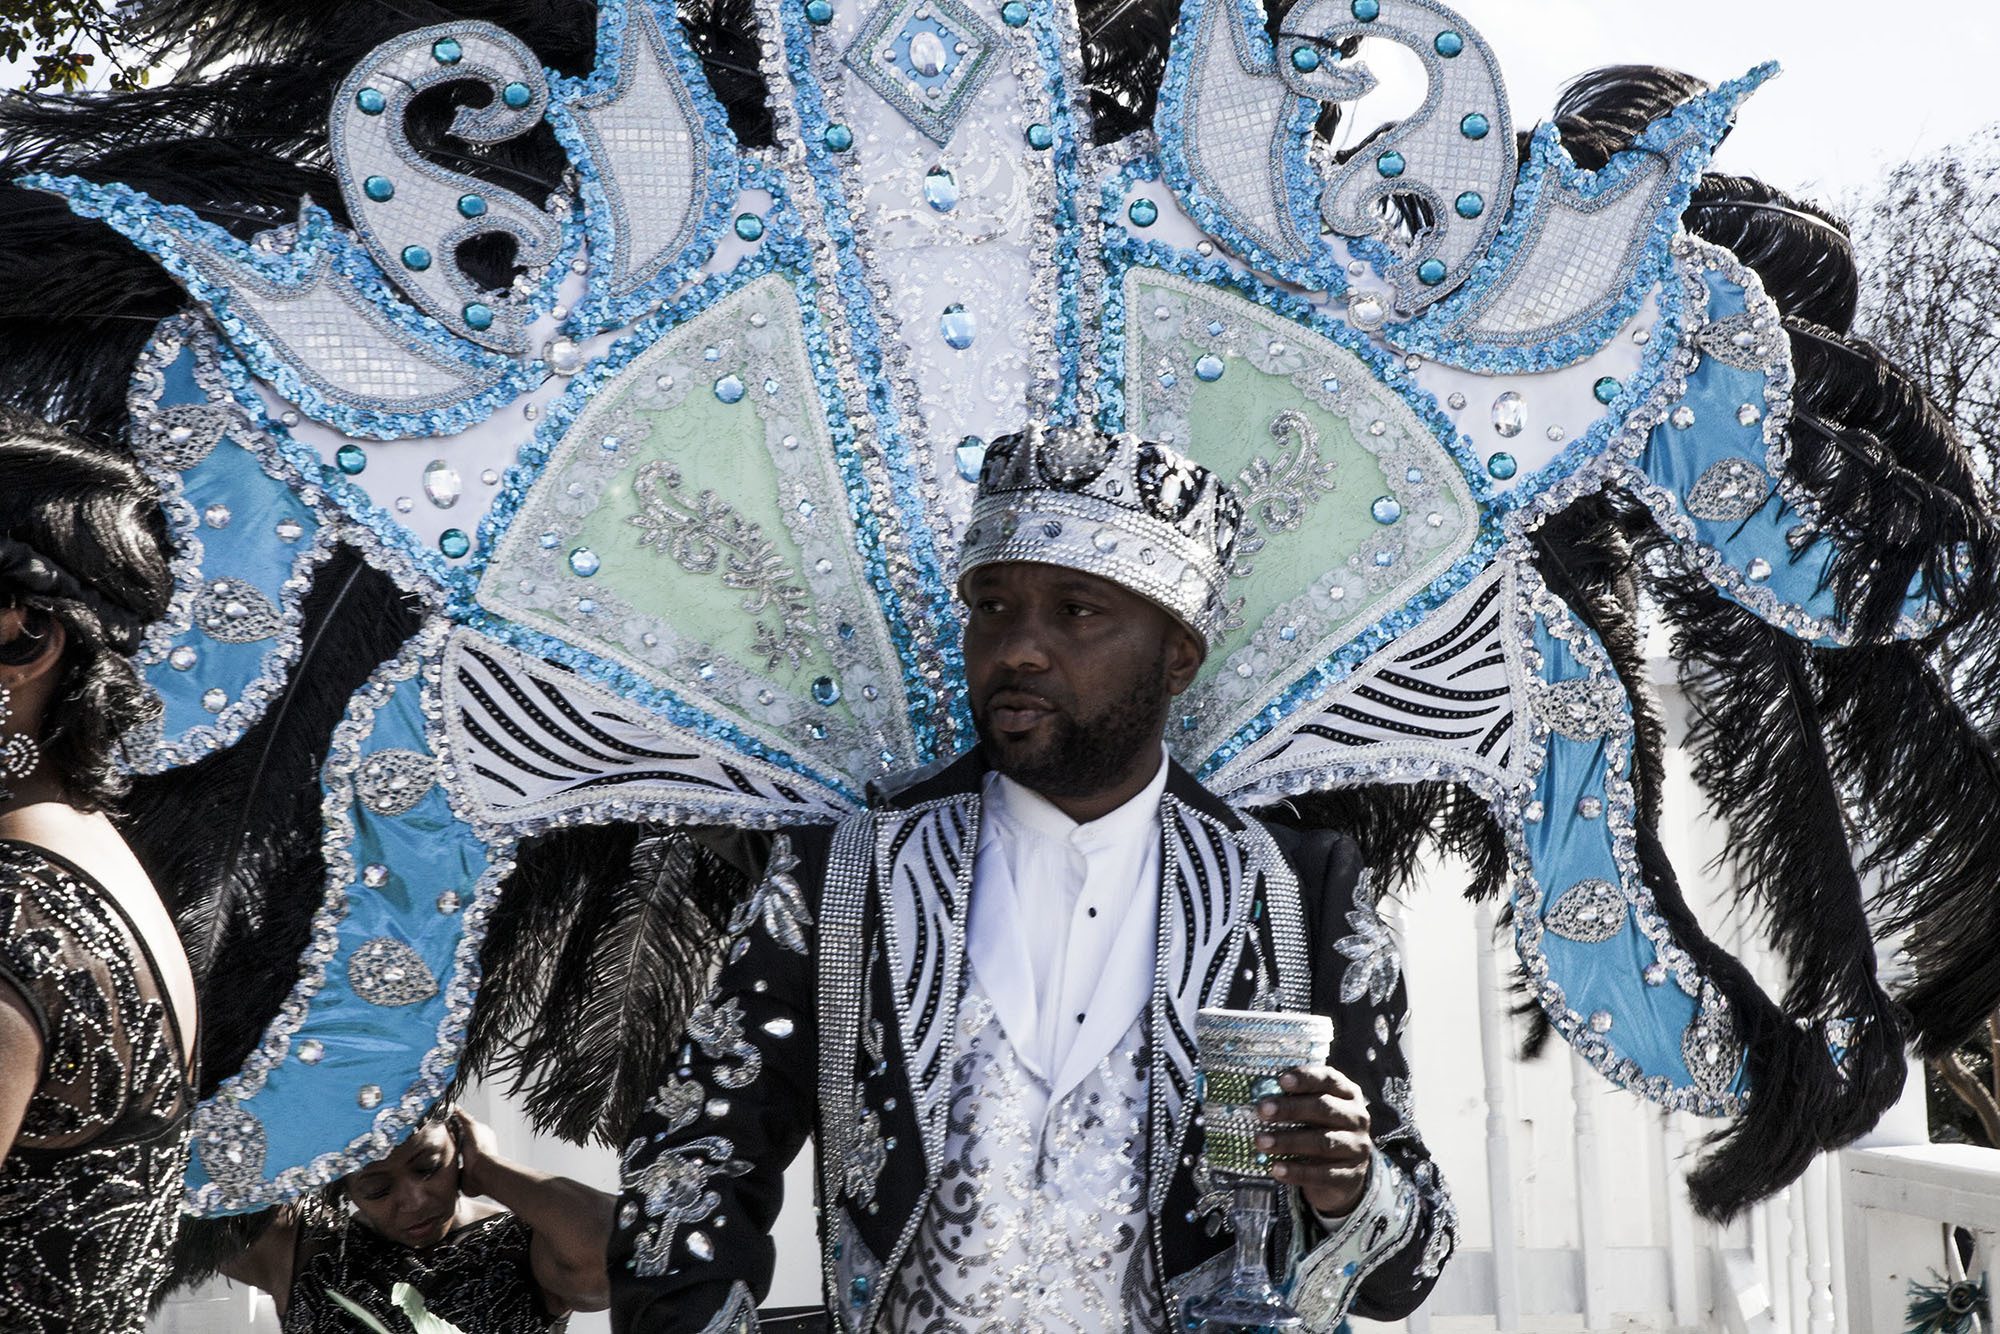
point(66, 44)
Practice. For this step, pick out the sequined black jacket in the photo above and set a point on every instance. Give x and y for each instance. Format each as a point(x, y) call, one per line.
point(824, 1022)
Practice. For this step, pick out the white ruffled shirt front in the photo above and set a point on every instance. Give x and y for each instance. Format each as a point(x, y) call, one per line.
point(1063, 925)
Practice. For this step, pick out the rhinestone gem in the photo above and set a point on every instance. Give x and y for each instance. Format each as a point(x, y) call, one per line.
point(350, 459)
point(375, 875)
point(441, 484)
point(1502, 467)
point(1748, 415)
point(1683, 417)
point(1600, 1022)
point(1387, 509)
point(699, 1246)
point(311, 1050)
point(1208, 368)
point(448, 902)
point(1510, 415)
point(970, 457)
point(778, 1028)
point(1759, 570)
point(1656, 974)
point(183, 659)
point(370, 1096)
point(927, 54)
point(216, 516)
point(1590, 808)
point(749, 227)
point(940, 190)
point(1366, 312)
point(1143, 212)
point(826, 690)
point(583, 561)
point(1456, 402)
point(729, 389)
point(289, 530)
point(454, 543)
point(564, 356)
point(214, 698)
point(957, 326)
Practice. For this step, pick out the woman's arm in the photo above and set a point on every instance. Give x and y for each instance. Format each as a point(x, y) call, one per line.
point(20, 1063)
point(268, 1262)
point(570, 1221)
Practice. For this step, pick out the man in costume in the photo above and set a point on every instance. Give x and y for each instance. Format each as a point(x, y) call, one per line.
point(980, 997)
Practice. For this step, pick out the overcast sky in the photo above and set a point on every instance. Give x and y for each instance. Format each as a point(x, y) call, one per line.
point(1867, 84)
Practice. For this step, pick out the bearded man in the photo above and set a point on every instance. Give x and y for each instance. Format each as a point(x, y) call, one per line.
point(979, 998)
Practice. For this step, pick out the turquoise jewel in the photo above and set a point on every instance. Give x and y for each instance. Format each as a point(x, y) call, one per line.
point(1432, 272)
point(749, 226)
point(350, 459)
point(1391, 164)
point(1386, 509)
point(447, 51)
point(584, 562)
point(1449, 44)
point(1040, 137)
point(1208, 369)
point(1608, 389)
point(1013, 13)
point(1502, 467)
point(970, 457)
point(416, 257)
point(454, 543)
point(371, 101)
point(1305, 59)
point(729, 389)
point(838, 138)
point(857, 1291)
point(957, 327)
point(1367, 10)
point(472, 206)
point(1143, 212)
point(819, 12)
point(479, 315)
point(517, 95)
point(1475, 126)
point(379, 188)
point(1471, 204)
point(940, 190)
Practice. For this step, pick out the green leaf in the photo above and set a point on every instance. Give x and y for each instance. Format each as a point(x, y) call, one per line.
point(368, 1321)
point(421, 1319)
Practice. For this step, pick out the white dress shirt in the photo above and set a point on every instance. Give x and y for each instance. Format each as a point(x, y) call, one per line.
point(1063, 924)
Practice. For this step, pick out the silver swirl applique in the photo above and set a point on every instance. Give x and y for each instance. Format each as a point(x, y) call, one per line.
point(230, 611)
point(392, 782)
point(1583, 708)
point(718, 1030)
point(674, 1191)
point(1736, 340)
point(1710, 1045)
point(865, 1154)
point(1589, 912)
point(1730, 491)
point(230, 1144)
point(1373, 967)
point(778, 904)
point(386, 971)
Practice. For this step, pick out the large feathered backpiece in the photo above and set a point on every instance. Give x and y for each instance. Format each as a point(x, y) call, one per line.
point(567, 419)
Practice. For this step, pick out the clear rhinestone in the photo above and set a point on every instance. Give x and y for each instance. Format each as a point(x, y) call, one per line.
point(927, 54)
point(1456, 402)
point(564, 356)
point(449, 902)
point(1590, 808)
point(1510, 414)
point(699, 1246)
point(370, 1096)
point(216, 516)
point(1748, 415)
point(375, 875)
point(1759, 570)
point(1600, 1022)
point(1656, 974)
point(311, 1050)
point(1683, 417)
point(214, 699)
point(779, 1027)
point(1366, 312)
point(442, 486)
point(183, 658)
point(289, 530)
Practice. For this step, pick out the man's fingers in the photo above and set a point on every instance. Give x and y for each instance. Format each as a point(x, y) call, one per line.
point(1320, 1109)
point(1325, 1147)
point(1310, 1079)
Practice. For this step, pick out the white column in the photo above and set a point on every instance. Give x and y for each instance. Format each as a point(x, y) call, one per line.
point(1493, 1038)
point(1584, 1086)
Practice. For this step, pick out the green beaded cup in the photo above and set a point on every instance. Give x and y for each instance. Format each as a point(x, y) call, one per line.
point(1239, 1056)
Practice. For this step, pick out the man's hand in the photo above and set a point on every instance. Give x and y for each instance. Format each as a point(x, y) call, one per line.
point(477, 1150)
point(1327, 1157)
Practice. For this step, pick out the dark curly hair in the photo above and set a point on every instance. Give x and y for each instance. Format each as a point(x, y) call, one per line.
point(83, 543)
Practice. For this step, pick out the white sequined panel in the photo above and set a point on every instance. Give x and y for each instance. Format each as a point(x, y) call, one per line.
point(954, 243)
point(1446, 692)
point(1231, 143)
point(341, 341)
point(537, 742)
point(649, 159)
point(1040, 1210)
point(1577, 261)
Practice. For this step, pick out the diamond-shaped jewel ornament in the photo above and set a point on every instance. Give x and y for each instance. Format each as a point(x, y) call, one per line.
point(927, 58)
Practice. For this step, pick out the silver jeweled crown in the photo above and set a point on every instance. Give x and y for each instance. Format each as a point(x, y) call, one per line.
point(1139, 514)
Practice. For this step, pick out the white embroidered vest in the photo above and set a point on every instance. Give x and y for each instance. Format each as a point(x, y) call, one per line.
point(1039, 1219)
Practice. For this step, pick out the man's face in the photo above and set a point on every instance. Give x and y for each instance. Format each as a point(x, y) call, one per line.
point(1070, 675)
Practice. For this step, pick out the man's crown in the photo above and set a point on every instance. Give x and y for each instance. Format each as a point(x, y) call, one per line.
point(1136, 513)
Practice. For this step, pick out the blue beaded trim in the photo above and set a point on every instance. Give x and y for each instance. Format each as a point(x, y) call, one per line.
point(623, 39)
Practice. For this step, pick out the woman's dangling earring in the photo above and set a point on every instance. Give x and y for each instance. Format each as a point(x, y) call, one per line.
point(19, 753)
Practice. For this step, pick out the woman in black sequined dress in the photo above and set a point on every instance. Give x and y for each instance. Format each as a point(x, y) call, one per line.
point(517, 1262)
point(97, 1018)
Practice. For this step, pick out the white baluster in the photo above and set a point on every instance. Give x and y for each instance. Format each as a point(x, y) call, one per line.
point(1419, 1320)
point(1988, 1255)
point(1680, 1223)
point(1585, 1086)
point(1799, 1299)
point(1819, 1251)
point(1493, 1040)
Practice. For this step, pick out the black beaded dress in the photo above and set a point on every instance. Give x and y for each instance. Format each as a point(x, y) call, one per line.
point(478, 1278)
point(90, 1193)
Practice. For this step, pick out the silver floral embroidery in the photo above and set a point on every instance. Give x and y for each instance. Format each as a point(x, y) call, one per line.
point(778, 903)
point(1710, 1045)
point(678, 1103)
point(1735, 340)
point(674, 1191)
point(1582, 708)
point(1590, 911)
point(1278, 495)
point(186, 433)
point(718, 1028)
point(706, 535)
point(392, 782)
point(230, 1143)
point(1397, 1093)
point(865, 1154)
point(230, 611)
point(385, 971)
point(1729, 491)
point(1444, 1221)
point(1374, 967)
